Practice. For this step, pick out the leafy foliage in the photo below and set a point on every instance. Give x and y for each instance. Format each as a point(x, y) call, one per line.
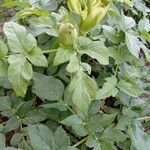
point(74, 74)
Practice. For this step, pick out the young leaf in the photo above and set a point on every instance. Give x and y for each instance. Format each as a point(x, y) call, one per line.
point(108, 89)
point(48, 87)
point(83, 90)
point(133, 44)
point(63, 55)
point(19, 73)
point(73, 65)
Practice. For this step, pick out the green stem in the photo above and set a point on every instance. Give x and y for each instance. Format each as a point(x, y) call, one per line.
point(80, 142)
point(49, 51)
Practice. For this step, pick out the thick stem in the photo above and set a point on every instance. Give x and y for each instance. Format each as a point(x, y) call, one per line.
point(80, 142)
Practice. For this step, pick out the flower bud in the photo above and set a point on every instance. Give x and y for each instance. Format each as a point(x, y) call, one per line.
point(67, 34)
point(95, 13)
point(74, 6)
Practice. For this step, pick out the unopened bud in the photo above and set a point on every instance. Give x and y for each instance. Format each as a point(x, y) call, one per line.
point(67, 34)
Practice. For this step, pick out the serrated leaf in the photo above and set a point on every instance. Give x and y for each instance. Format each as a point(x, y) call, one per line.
point(48, 87)
point(76, 123)
point(63, 55)
point(40, 134)
point(62, 140)
point(19, 73)
point(130, 88)
point(107, 145)
point(98, 122)
point(48, 141)
point(5, 103)
point(2, 141)
point(83, 89)
point(114, 134)
point(37, 58)
point(133, 44)
point(94, 143)
point(108, 89)
point(12, 123)
point(140, 140)
point(18, 39)
point(96, 50)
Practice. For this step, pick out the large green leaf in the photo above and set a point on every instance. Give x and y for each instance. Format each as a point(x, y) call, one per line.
point(133, 44)
point(44, 24)
point(18, 39)
point(95, 49)
point(114, 134)
point(139, 139)
point(98, 122)
point(47, 139)
point(61, 138)
point(41, 137)
point(37, 58)
point(108, 89)
point(83, 89)
point(48, 87)
point(76, 123)
point(19, 73)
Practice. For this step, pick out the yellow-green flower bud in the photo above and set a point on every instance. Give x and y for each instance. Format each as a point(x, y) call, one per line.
point(67, 34)
point(95, 12)
point(74, 6)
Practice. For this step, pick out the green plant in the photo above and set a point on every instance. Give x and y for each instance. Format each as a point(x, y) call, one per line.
point(75, 75)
